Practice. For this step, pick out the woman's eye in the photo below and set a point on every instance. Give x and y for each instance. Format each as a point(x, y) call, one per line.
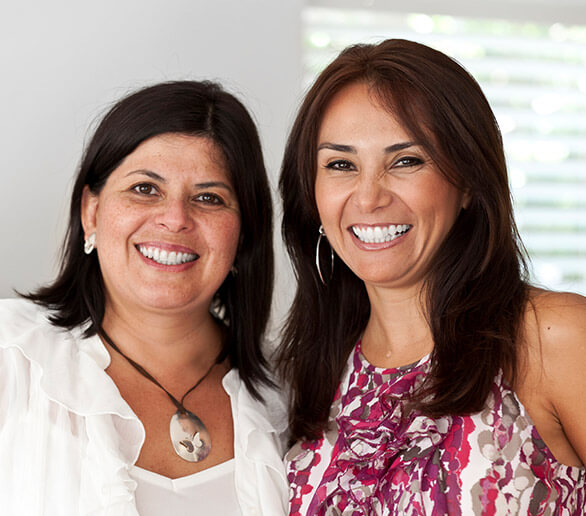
point(340, 164)
point(408, 161)
point(209, 198)
point(145, 189)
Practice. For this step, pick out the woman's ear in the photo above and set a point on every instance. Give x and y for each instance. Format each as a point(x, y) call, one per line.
point(89, 210)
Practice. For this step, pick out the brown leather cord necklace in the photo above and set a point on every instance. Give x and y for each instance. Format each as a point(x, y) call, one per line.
point(190, 437)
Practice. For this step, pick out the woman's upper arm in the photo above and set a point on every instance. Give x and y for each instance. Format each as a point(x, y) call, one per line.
point(562, 331)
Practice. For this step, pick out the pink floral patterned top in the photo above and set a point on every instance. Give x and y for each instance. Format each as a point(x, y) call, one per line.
point(380, 458)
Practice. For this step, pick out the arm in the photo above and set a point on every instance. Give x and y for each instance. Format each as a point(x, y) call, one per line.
point(556, 373)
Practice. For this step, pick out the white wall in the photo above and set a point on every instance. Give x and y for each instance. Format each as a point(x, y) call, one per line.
point(64, 62)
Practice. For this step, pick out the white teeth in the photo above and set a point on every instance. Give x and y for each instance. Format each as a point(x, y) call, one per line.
point(166, 258)
point(380, 234)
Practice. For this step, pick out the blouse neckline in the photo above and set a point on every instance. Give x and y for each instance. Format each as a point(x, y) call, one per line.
point(205, 475)
point(387, 371)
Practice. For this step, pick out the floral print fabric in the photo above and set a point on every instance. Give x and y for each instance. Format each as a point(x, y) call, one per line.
point(379, 457)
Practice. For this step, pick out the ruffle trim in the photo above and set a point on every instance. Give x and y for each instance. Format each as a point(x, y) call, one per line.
point(260, 429)
point(387, 455)
point(72, 375)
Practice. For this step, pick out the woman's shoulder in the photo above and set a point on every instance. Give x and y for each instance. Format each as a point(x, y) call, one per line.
point(267, 412)
point(552, 299)
point(555, 335)
point(553, 381)
point(259, 442)
point(18, 305)
point(20, 321)
point(26, 330)
point(19, 316)
point(558, 321)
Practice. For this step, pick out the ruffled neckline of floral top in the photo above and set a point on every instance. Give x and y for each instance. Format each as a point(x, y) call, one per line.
point(382, 457)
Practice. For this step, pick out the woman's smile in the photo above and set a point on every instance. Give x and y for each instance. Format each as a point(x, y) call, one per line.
point(379, 234)
point(168, 255)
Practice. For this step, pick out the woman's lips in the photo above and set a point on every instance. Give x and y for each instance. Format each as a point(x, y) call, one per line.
point(167, 254)
point(379, 234)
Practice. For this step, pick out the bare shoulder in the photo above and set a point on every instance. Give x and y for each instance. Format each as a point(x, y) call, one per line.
point(558, 321)
point(554, 381)
point(564, 306)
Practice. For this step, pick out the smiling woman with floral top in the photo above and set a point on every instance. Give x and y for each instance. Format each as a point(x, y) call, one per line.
point(428, 376)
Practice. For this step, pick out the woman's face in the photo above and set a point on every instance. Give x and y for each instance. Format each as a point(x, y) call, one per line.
point(384, 205)
point(167, 225)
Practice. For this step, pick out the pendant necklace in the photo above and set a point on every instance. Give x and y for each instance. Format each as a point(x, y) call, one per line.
point(190, 437)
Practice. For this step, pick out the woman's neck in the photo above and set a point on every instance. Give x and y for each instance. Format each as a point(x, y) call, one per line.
point(165, 343)
point(397, 332)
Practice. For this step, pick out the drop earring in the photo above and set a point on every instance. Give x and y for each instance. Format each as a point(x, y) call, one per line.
point(89, 244)
point(317, 260)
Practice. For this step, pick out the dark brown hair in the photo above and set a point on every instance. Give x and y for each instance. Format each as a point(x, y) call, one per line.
point(193, 108)
point(476, 290)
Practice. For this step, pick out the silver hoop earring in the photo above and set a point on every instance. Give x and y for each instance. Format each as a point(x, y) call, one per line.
point(89, 244)
point(322, 234)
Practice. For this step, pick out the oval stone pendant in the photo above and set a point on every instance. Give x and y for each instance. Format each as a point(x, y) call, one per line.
point(189, 436)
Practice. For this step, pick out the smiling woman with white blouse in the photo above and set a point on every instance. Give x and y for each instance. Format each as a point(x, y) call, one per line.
point(135, 382)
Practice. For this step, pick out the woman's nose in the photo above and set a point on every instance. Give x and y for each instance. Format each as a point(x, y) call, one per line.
point(175, 215)
point(371, 193)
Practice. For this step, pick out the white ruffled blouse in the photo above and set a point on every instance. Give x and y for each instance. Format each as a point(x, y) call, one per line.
point(68, 439)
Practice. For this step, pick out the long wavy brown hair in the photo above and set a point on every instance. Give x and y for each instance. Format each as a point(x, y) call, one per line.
point(476, 290)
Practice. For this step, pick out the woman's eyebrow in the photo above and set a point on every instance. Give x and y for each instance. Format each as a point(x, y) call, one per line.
point(349, 148)
point(399, 146)
point(148, 173)
point(336, 147)
point(214, 184)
